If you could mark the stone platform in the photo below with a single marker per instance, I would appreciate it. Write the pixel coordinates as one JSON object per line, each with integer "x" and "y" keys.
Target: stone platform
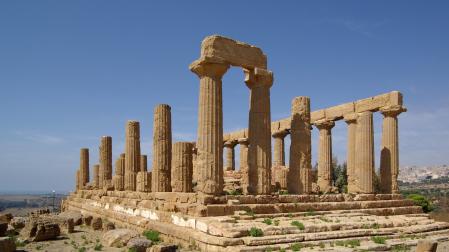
{"x": 223, "y": 223}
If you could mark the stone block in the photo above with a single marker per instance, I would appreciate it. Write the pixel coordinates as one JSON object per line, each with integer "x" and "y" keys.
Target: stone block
{"x": 427, "y": 246}
{"x": 7, "y": 244}
{"x": 337, "y": 112}
{"x": 317, "y": 115}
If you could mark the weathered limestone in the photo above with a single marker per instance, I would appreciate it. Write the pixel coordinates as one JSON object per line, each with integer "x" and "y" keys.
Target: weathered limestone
{"x": 96, "y": 177}
{"x": 300, "y": 165}
{"x": 244, "y": 143}
{"x": 162, "y": 144}
{"x": 143, "y": 163}
{"x": 182, "y": 169}
{"x": 325, "y": 155}
{"x": 143, "y": 181}
{"x": 210, "y": 126}
{"x": 84, "y": 166}
{"x": 364, "y": 144}
{"x": 259, "y": 82}
{"x": 79, "y": 184}
{"x": 119, "y": 177}
{"x": 427, "y": 246}
{"x": 230, "y": 155}
{"x": 279, "y": 148}
{"x": 105, "y": 170}
{"x": 389, "y": 156}
{"x": 132, "y": 154}
{"x": 351, "y": 120}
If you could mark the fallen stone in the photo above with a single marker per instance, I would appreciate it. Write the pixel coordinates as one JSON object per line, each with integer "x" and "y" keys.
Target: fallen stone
{"x": 108, "y": 226}
{"x": 18, "y": 222}
{"x": 139, "y": 244}
{"x": 427, "y": 246}
{"x": 118, "y": 237}
{"x": 76, "y": 216}
{"x": 87, "y": 220}
{"x": 40, "y": 229}
{"x": 6, "y": 217}
{"x": 163, "y": 248}
{"x": 97, "y": 223}
{"x": 3, "y": 228}
{"x": 7, "y": 244}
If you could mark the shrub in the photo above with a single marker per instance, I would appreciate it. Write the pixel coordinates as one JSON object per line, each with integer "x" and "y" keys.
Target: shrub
{"x": 310, "y": 213}
{"x": 298, "y": 224}
{"x": 98, "y": 247}
{"x": 296, "y": 247}
{"x": 250, "y": 213}
{"x": 255, "y": 232}
{"x": 276, "y": 222}
{"x": 422, "y": 201}
{"x": 378, "y": 239}
{"x": 268, "y": 221}
{"x": 152, "y": 235}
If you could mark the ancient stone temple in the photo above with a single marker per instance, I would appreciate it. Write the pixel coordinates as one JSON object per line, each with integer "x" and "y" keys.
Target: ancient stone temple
{"x": 198, "y": 195}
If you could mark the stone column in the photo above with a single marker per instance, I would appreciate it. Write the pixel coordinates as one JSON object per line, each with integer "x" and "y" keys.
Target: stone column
{"x": 162, "y": 141}
{"x": 105, "y": 172}
{"x": 351, "y": 120}
{"x": 132, "y": 154}
{"x": 143, "y": 181}
{"x": 279, "y": 148}
{"x": 364, "y": 145}
{"x": 389, "y": 156}
{"x": 259, "y": 82}
{"x": 143, "y": 163}
{"x": 196, "y": 172}
{"x": 96, "y": 177}
{"x": 78, "y": 179}
{"x": 244, "y": 143}
{"x": 300, "y": 166}
{"x": 119, "y": 177}
{"x": 210, "y": 127}
{"x": 230, "y": 155}
{"x": 325, "y": 155}
{"x": 84, "y": 166}
{"x": 182, "y": 169}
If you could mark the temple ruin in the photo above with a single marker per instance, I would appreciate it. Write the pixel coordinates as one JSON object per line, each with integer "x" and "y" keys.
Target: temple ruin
{"x": 186, "y": 196}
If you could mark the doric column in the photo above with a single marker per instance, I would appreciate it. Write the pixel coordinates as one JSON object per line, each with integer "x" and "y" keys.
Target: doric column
{"x": 259, "y": 82}
{"x": 210, "y": 127}
{"x": 132, "y": 154}
{"x": 105, "y": 170}
{"x": 244, "y": 143}
{"x": 161, "y": 149}
{"x": 389, "y": 156}
{"x": 196, "y": 172}
{"x": 143, "y": 163}
{"x": 279, "y": 148}
{"x": 84, "y": 166}
{"x": 230, "y": 155}
{"x": 325, "y": 154}
{"x": 182, "y": 167}
{"x": 143, "y": 181}
{"x": 351, "y": 120}
{"x": 96, "y": 177}
{"x": 119, "y": 177}
{"x": 300, "y": 166}
{"x": 78, "y": 179}
{"x": 364, "y": 145}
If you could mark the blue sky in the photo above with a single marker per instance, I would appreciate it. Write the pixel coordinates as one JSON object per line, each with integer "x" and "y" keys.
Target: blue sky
{"x": 72, "y": 71}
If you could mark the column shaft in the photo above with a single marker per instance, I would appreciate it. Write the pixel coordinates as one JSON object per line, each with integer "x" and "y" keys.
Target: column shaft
{"x": 105, "y": 170}
{"x": 279, "y": 148}
{"x": 244, "y": 143}
{"x": 84, "y": 166}
{"x": 230, "y": 155}
{"x": 325, "y": 168}
{"x": 182, "y": 167}
{"x": 351, "y": 120}
{"x": 143, "y": 163}
{"x": 96, "y": 177}
{"x": 132, "y": 154}
{"x": 364, "y": 145}
{"x": 162, "y": 141}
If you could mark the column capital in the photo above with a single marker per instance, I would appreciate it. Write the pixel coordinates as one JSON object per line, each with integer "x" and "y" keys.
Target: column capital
{"x": 392, "y": 111}
{"x": 280, "y": 133}
{"x": 350, "y": 118}
{"x": 258, "y": 77}
{"x": 230, "y": 143}
{"x": 324, "y": 124}
{"x": 243, "y": 140}
{"x": 207, "y": 68}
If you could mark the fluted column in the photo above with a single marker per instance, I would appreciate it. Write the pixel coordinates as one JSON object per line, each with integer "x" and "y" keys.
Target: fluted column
{"x": 279, "y": 148}
{"x": 351, "y": 120}
{"x": 105, "y": 170}
{"x": 259, "y": 82}
{"x": 84, "y": 166}
{"x": 119, "y": 177}
{"x": 78, "y": 179}
{"x": 364, "y": 145}
{"x": 210, "y": 127}
{"x": 96, "y": 177}
{"x": 196, "y": 172}
{"x": 325, "y": 154}
{"x": 389, "y": 156}
{"x": 300, "y": 165}
{"x": 230, "y": 155}
{"x": 243, "y": 165}
{"x": 162, "y": 141}
{"x": 182, "y": 167}
{"x": 132, "y": 154}
{"x": 143, "y": 163}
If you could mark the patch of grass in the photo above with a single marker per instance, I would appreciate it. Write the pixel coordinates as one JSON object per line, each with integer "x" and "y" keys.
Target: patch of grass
{"x": 19, "y": 243}
{"x": 400, "y": 248}
{"x": 132, "y": 250}
{"x": 349, "y": 243}
{"x": 234, "y": 192}
{"x": 321, "y": 244}
{"x": 310, "y": 213}
{"x": 249, "y": 213}
{"x": 283, "y": 192}
{"x": 282, "y": 250}
{"x": 98, "y": 247}
{"x": 82, "y": 249}
{"x": 422, "y": 201}
{"x": 375, "y": 226}
{"x": 298, "y": 224}
{"x": 379, "y": 239}
{"x": 290, "y": 215}
{"x": 322, "y": 218}
{"x": 83, "y": 237}
{"x": 255, "y": 232}
{"x": 276, "y": 222}
{"x": 152, "y": 235}
{"x": 365, "y": 226}
{"x": 268, "y": 221}
{"x": 39, "y": 247}
{"x": 296, "y": 247}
